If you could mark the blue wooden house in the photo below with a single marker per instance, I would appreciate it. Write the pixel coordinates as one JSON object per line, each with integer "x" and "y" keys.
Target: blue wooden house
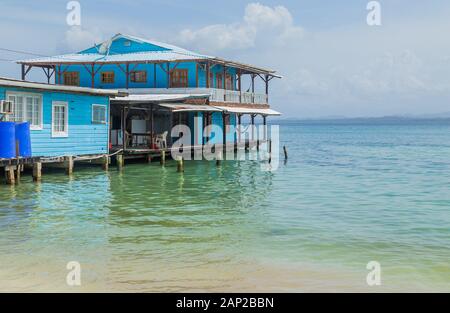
{"x": 167, "y": 85}
{"x": 64, "y": 120}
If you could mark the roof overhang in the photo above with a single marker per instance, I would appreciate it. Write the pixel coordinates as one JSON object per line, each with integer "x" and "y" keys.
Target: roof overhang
{"x": 157, "y": 98}
{"x": 238, "y": 110}
{"x": 8, "y": 82}
{"x": 183, "y": 107}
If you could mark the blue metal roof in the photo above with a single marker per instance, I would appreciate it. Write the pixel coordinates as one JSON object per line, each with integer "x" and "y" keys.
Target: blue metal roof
{"x": 125, "y": 48}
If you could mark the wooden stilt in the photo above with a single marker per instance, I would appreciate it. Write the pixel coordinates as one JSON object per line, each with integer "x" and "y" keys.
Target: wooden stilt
{"x": 162, "y": 161}
{"x": 270, "y": 151}
{"x": 69, "y": 165}
{"x": 219, "y": 158}
{"x": 9, "y": 175}
{"x": 180, "y": 164}
{"x": 285, "y": 153}
{"x": 37, "y": 171}
{"x": 119, "y": 161}
{"x": 18, "y": 173}
{"x": 105, "y": 163}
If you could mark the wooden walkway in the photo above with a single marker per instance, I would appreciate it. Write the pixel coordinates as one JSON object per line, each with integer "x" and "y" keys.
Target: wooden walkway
{"x": 13, "y": 168}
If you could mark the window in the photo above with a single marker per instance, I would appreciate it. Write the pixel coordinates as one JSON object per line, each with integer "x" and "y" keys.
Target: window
{"x": 138, "y": 76}
{"x": 108, "y": 77}
{"x": 179, "y": 78}
{"x": 219, "y": 81}
{"x": 72, "y": 79}
{"x": 60, "y": 119}
{"x": 227, "y": 121}
{"x": 211, "y": 80}
{"x": 98, "y": 114}
{"x": 26, "y": 107}
{"x": 229, "y": 82}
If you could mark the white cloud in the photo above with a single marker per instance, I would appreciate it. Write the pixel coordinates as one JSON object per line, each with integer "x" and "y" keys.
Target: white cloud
{"x": 76, "y": 38}
{"x": 259, "y": 23}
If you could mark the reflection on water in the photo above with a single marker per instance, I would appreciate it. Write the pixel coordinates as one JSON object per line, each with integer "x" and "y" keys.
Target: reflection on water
{"x": 348, "y": 195}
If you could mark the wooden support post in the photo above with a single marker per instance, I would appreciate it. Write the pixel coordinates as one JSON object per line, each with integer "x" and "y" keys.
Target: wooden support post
{"x": 9, "y": 175}
{"x": 69, "y": 165}
{"x": 180, "y": 164}
{"x": 37, "y": 171}
{"x": 285, "y": 152}
{"x": 149, "y": 158}
{"x": 219, "y": 158}
{"x": 253, "y": 127}
{"x": 119, "y": 161}
{"x": 253, "y": 88}
{"x": 105, "y": 163}
{"x": 162, "y": 160}
{"x": 265, "y": 127}
{"x": 224, "y": 129}
{"x": 127, "y": 72}
{"x": 18, "y": 173}
{"x": 270, "y": 151}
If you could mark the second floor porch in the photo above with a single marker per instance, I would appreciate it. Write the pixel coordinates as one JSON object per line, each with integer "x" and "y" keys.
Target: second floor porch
{"x": 216, "y": 96}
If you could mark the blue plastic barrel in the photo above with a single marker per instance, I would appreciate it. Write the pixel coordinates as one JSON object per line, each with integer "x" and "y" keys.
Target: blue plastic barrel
{"x": 7, "y": 140}
{"x": 23, "y": 139}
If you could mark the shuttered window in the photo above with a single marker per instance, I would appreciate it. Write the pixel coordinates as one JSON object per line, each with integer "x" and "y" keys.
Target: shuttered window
{"x": 179, "y": 78}
{"x": 72, "y": 78}
{"x": 108, "y": 77}
{"x": 138, "y": 76}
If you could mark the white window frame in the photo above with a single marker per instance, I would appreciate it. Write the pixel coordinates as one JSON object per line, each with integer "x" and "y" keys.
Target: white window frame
{"x": 106, "y": 114}
{"x": 26, "y": 95}
{"x": 66, "y": 120}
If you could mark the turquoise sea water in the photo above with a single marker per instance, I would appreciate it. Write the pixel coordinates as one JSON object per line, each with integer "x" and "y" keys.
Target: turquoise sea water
{"x": 349, "y": 193}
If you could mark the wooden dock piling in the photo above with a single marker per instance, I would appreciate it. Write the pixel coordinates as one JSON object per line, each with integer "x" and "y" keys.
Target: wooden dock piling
{"x": 9, "y": 175}
{"x": 37, "y": 171}
{"x": 285, "y": 152}
{"x": 119, "y": 161}
{"x": 180, "y": 164}
{"x": 162, "y": 161}
{"x": 105, "y": 163}
{"x": 68, "y": 163}
{"x": 219, "y": 158}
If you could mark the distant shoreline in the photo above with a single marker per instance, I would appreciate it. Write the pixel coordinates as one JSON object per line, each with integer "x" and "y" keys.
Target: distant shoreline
{"x": 364, "y": 120}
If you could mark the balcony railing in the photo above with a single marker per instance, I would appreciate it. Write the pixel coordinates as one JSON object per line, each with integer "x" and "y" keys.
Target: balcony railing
{"x": 233, "y": 96}
{"x": 216, "y": 95}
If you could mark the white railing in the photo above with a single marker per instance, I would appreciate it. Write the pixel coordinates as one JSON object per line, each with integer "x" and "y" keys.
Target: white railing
{"x": 232, "y": 96}
{"x": 216, "y": 95}
{"x": 260, "y": 98}
{"x": 247, "y": 97}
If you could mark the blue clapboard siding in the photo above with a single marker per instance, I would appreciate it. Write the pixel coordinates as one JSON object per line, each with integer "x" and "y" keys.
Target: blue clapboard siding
{"x": 161, "y": 75}
{"x": 85, "y": 137}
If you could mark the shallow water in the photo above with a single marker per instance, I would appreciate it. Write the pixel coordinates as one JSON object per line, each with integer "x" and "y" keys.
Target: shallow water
{"x": 348, "y": 194}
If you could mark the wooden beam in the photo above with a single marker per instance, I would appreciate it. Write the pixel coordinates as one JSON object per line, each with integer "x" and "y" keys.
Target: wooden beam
{"x": 154, "y": 75}
{"x": 208, "y": 74}
{"x": 196, "y": 74}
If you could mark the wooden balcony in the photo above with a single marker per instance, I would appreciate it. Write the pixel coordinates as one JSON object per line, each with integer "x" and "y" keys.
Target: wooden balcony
{"x": 215, "y": 95}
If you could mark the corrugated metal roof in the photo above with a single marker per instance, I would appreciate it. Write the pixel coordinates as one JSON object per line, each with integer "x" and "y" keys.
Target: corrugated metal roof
{"x": 41, "y": 86}
{"x": 183, "y": 107}
{"x": 248, "y": 110}
{"x": 173, "y": 54}
{"x": 150, "y": 56}
{"x": 136, "y": 98}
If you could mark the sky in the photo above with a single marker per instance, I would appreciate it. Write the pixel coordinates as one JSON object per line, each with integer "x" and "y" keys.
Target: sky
{"x": 332, "y": 62}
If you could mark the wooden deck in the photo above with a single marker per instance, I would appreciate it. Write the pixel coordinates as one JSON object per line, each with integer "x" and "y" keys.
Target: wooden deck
{"x": 13, "y": 168}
